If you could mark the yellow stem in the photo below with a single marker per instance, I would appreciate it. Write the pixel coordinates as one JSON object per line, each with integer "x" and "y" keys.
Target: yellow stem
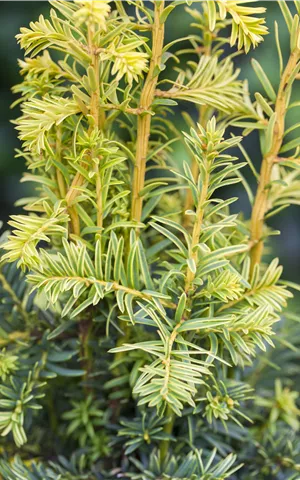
{"x": 144, "y": 121}
{"x": 194, "y": 169}
{"x": 260, "y": 206}
{"x": 197, "y": 230}
{"x": 99, "y": 121}
{"x": 60, "y": 178}
{"x": 114, "y": 286}
{"x": 225, "y": 306}
{"x": 75, "y": 224}
{"x": 73, "y": 191}
{"x": 143, "y": 131}
{"x": 202, "y": 118}
{"x": 189, "y": 197}
{"x": 15, "y": 337}
{"x": 111, "y": 106}
{"x": 164, "y": 445}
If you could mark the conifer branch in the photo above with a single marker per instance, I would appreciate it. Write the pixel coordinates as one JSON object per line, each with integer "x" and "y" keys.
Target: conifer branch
{"x": 98, "y": 116}
{"x": 144, "y": 119}
{"x": 197, "y": 226}
{"x": 60, "y": 179}
{"x": 260, "y": 205}
{"x": 93, "y": 281}
{"x": 162, "y": 323}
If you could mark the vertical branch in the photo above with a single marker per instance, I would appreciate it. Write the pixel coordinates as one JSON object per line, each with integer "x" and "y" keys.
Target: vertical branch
{"x": 86, "y": 324}
{"x": 202, "y": 119}
{"x": 75, "y": 225}
{"x": 197, "y": 229}
{"x": 99, "y": 120}
{"x": 144, "y": 126}
{"x": 261, "y": 199}
{"x": 59, "y": 176}
{"x": 144, "y": 120}
{"x": 164, "y": 444}
{"x": 194, "y": 168}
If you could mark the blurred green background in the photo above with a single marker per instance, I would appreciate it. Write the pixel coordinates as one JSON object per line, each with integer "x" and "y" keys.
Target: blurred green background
{"x": 15, "y": 14}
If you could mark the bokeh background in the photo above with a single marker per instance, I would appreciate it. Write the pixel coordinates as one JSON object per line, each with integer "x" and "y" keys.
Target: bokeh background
{"x": 15, "y": 14}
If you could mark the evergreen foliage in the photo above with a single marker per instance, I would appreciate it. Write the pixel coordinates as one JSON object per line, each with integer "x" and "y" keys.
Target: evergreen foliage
{"x": 144, "y": 333}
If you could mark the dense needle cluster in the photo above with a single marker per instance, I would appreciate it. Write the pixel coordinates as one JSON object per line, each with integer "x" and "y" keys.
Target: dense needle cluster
{"x": 143, "y": 332}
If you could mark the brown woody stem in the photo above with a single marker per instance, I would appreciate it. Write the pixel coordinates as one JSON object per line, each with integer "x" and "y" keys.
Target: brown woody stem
{"x": 260, "y": 206}
{"x": 144, "y": 120}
